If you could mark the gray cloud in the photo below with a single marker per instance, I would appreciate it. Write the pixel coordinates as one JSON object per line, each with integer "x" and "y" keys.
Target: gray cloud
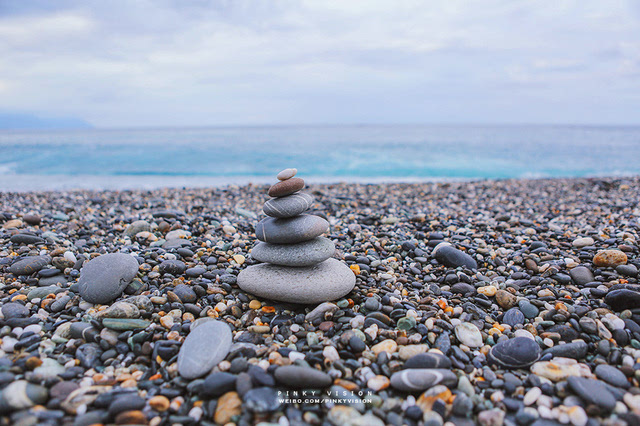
{"x": 124, "y": 63}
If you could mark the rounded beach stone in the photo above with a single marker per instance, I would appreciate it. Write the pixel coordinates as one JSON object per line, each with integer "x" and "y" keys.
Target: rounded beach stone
{"x": 428, "y": 360}
{"x": 450, "y": 256}
{"x": 592, "y": 392}
{"x": 610, "y": 258}
{"x": 289, "y": 206}
{"x": 292, "y": 230}
{"x": 296, "y": 377}
{"x": 286, "y": 187}
{"x": 306, "y": 253}
{"x": 287, "y": 174}
{"x": 468, "y": 334}
{"x": 419, "y": 379}
{"x": 518, "y": 352}
{"x": 204, "y": 347}
{"x": 29, "y": 265}
{"x": 21, "y": 394}
{"x": 325, "y": 281}
{"x": 622, "y": 298}
{"x": 104, "y": 278}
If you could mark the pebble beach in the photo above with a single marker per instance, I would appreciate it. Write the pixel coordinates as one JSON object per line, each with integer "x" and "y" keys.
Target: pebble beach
{"x": 487, "y": 302}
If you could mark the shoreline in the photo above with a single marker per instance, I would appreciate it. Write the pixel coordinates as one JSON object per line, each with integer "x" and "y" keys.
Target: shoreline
{"x": 539, "y": 275}
{"x": 19, "y": 183}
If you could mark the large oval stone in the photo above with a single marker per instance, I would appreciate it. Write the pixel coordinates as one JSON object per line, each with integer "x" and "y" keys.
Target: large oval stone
{"x": 104, "y": 278}
{"x": 204, "y": 347}
{"x": 289, "y": 206}
{"x": 325, "y": 281}
{"x": 419, "y": 379}
{"x": 29, "y": 265}
{"x": 519, "y": 352}
{"x": 306, "y": 253}
{"x": 292, "y": 230}
{"x": 450, "y": 256}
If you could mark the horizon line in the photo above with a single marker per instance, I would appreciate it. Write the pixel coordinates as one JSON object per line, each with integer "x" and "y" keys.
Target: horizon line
{"x": 319, "y": 125}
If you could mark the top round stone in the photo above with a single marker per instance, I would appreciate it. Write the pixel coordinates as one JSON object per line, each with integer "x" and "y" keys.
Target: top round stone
{"x": 287, "y": 174}
{"x": 286, "y": 187}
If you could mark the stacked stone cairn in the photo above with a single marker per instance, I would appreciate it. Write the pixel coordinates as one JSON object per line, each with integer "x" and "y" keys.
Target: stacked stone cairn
{"x": 298, "y": 265}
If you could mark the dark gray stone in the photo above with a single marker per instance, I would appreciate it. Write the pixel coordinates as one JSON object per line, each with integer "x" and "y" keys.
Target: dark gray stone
{"x": 185, "y": 293}
{"x": 419, "y": 379}
{"x": 513, "y": 317}
{"x": 296, "y": 377}
{"x": 519, "y": 352}
{"x": 29, "y": 265}
{"x": 218, "y": 383}
{"x": 592, "y": 392}
{"x": 306, "y": 253}
{"x": 581, "y": 275}
{"x": 452, "y": 257}
{"x": 289, "y": 206}
{"x": 173, "y": 267}
{"x": 26, "y": 239}
{"x": 622, "y": 299}
{"x": 428, "y": 360}
{"x": 14, "y": 310}
{"x": 612, "y": 375}
{"x": 575, "y": 350}
{"x": 104, "y": 278}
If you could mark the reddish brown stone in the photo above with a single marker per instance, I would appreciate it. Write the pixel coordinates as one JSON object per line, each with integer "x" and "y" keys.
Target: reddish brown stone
{"x": 286, "y": 187}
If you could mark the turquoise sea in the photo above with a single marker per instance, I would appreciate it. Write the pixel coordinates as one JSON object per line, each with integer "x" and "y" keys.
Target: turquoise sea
{"x": 148, "y": 158}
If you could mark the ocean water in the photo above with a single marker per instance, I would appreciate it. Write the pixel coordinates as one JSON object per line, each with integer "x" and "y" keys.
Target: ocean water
{"x": 149, "y": 158}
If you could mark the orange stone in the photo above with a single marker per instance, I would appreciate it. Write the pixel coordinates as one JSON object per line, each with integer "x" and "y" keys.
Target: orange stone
{"x": 606, "y": 258}
{"x": 159, "y": 403}
{"x": 229, "y": 405}
{"x": 133, "y": 417}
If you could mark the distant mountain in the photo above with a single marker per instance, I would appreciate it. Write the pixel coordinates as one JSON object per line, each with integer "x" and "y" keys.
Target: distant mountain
{"x": 22, "y": 121}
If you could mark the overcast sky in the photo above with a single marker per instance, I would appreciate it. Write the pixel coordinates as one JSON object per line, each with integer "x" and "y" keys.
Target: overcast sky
{"x": 235, "y": 62}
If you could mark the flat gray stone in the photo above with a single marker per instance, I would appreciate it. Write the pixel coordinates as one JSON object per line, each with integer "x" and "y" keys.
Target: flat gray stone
{"x": 291, "y": 230}
{"x": 325, "y": 281}
{"x": 104, "y": 278}
{"x": 204, "y": 347}
{"x": 419, "y": 379}
{"x": 289, "y": 206}
{"x": 306, "y": 253}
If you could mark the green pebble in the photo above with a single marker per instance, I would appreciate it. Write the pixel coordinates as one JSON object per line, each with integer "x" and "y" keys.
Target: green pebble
{"x": 226, "y": 246}
{"x": 635, "y": 343}
{"x": 343, "y": 303}
{"x": 246, "y": 213}
{"x": 40, "y": 292}
{"x": 122, "y": 324}
{"x": 406, "y": 323}
{"x": 546, "y": 324}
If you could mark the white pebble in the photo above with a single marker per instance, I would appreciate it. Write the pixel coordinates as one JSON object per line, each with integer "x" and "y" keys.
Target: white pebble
{"x": 70, "y": 256}
{"x": 331, "y": 353}
{"x": 532, "y": 396}
{"x": 287, "y": 174}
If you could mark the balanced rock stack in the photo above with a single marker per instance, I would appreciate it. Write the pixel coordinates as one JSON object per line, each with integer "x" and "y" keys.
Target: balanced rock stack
{"x": 298, "y": 266}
